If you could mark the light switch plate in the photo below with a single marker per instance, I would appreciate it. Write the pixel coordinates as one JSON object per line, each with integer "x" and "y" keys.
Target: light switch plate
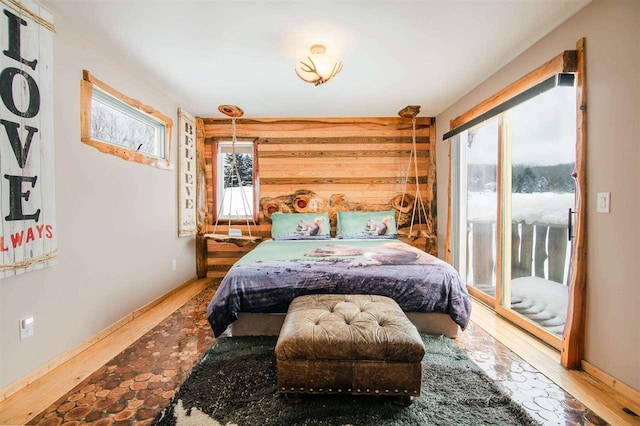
{"x": 603, "y": 202}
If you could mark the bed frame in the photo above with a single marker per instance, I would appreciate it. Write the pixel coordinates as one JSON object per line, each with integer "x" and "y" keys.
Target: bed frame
{"x": 260, "y": 324}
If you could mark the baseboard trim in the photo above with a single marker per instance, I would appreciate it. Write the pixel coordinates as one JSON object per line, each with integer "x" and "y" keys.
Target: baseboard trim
{"x": 610, "y": 381}
{"x": 36, "y": 374}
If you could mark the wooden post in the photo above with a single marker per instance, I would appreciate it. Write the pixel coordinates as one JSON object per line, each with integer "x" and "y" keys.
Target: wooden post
{"x": 432, "y": 199}
{"x": 516, "y": 271}
{"x": 201, "y": 255}
{"x": 540, "y": 250}
{"x": 557, "y": 248}
{"x": 201, "y": 202}
{"x": 482, "y": 252}
{"x": 526, "y": 252}
{"x": 573, "y": 338}
{"x": 447, "y": 238}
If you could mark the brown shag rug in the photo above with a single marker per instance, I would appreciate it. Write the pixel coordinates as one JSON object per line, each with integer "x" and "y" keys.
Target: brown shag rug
{"x": 235, "y": 384}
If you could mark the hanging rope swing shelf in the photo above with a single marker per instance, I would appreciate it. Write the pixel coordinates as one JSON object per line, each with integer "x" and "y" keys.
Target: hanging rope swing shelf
{"x": 418, "y": 210}
{"x": 234, "y": 235}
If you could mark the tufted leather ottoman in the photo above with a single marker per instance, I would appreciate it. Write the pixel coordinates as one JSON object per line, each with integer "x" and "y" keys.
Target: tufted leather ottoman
{"x": 353, "y": 344}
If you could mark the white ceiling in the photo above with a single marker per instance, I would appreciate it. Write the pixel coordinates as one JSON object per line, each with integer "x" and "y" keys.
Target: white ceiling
{"x": 395, "y": 53}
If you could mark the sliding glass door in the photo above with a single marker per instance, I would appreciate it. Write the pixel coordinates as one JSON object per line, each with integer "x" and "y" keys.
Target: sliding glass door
{"x": 513, "y": 193}
{"x": 478, "y": 206}
{"x": 541, "y": 154}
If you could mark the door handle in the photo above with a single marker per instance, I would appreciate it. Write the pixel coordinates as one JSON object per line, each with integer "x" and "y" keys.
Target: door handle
{"x": 570, "y": 224}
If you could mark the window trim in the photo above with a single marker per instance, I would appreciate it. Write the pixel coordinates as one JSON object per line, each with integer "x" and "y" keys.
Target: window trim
{"x": 256, "y": 180}
{"x": 565, "y": 62}
{"x": 87, "y": 85}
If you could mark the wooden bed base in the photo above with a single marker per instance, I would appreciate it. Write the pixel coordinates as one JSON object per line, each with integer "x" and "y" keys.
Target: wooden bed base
{"x": 259, "y": 324}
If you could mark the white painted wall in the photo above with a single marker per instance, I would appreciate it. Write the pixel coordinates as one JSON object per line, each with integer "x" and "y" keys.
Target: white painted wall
{"x": 117, "y": 225}
{"x": 612, "y": 31}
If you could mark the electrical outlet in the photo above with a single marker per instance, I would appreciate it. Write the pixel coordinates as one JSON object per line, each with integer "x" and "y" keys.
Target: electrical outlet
{"x": 26, "y": 328}
{"x": 174, "y": 265}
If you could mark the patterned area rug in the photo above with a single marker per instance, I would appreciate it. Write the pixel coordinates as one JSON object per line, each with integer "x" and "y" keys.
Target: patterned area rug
{"x": 235, "y": 383}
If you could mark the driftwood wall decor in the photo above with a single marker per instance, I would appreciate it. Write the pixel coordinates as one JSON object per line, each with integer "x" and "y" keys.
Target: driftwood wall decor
{"x": 326, "y": 164}
{"x": 307, "y": 201}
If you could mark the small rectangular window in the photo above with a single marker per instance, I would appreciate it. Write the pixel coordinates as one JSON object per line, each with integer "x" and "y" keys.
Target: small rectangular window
{"x": 116, "y": 124}
{"x": 236, "y": 189}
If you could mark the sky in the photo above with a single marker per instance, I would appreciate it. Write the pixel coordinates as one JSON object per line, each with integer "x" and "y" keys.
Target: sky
{"x": 543, "y": 132}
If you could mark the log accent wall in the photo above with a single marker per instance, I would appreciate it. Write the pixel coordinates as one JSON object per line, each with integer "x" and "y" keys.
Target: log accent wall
{"x": 353, "y": 163}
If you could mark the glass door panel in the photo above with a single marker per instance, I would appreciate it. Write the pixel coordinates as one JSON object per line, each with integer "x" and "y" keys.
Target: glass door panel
{"x": 481, "y": 152}
{"x": 541, "y": 150}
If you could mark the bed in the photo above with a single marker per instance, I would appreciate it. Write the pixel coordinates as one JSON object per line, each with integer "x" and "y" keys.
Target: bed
{"x": 256, "y": 292}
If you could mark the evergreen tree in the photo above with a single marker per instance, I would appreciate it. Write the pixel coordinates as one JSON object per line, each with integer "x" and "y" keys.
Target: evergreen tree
{"x": 244, "y": 163}
{"x": 542, "y": 184}
{"x": 525, "y": 182}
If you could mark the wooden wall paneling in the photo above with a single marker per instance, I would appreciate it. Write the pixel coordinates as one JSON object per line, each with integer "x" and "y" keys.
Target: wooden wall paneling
{"x": 363, "y": 159}
{"x": 432, "y": 196}
{"x": 201, "y": 176}
{"x": 201, "y": 200}
{"x": 316, "y": 127}
{"x": 345, "y": 160}
{"x": 447, "y": 238}
{"x": 212, "y": 187}
{"x": 221, "y": 255}
{"x": 256, "y": 181}
{"x": 349, "y": 141}
{"x": 210, "y": 178}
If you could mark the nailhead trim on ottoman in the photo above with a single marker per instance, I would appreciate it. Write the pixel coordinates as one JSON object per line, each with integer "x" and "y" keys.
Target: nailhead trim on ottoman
{"x": 355, "y": 344}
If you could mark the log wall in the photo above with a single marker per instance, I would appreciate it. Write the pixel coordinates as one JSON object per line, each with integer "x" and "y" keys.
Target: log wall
{"x": 347, "y": 163}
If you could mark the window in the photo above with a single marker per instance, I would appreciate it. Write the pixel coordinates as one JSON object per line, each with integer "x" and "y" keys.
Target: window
{"x": 236, "y": 186}
{"x": 116, "y": 124}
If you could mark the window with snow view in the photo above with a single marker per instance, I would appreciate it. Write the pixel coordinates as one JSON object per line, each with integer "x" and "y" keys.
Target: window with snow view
{"x": 235, "y": 175}
{"x": 119, "y": 125}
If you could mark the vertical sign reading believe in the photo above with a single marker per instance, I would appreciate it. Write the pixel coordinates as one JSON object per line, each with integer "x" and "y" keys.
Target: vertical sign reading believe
{"x": 186, "y": 174}
{"x": 28, "y": 238}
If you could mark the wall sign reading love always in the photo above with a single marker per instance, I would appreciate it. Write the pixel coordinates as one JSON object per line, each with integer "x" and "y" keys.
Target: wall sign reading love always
{"x": 28, "y": 238}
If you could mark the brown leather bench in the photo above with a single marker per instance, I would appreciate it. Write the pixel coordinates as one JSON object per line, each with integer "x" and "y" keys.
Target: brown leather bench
{"x": 349, "y": 344}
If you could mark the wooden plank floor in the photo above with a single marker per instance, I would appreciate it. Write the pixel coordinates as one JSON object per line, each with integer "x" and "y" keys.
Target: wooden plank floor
{"x": 35, "y": 398}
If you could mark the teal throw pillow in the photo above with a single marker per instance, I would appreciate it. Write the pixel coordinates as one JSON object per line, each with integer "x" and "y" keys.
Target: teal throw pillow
{"x": 300, "y": 226}
{"x": 352, "y": 225}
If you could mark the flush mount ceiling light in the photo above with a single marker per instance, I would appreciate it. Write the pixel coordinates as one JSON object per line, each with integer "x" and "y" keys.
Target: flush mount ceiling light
{"x": 318, "y": 67}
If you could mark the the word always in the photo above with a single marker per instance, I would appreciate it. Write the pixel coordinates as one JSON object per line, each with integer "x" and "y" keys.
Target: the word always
{"x": 25, "y": 237}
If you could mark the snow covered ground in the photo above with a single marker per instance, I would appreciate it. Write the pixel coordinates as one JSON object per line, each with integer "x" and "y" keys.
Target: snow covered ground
{"x": 237, "y": 205}
{"x": 549, "y": 208}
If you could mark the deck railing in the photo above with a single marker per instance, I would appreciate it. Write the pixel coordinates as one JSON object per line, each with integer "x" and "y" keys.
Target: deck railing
{"x": 537, "y": 249}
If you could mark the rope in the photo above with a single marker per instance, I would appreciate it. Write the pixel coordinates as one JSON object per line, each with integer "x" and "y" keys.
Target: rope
{"x": 17, "y": 7}
{"x": 418, "y": 203}
{"x": 30, "y": 262}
